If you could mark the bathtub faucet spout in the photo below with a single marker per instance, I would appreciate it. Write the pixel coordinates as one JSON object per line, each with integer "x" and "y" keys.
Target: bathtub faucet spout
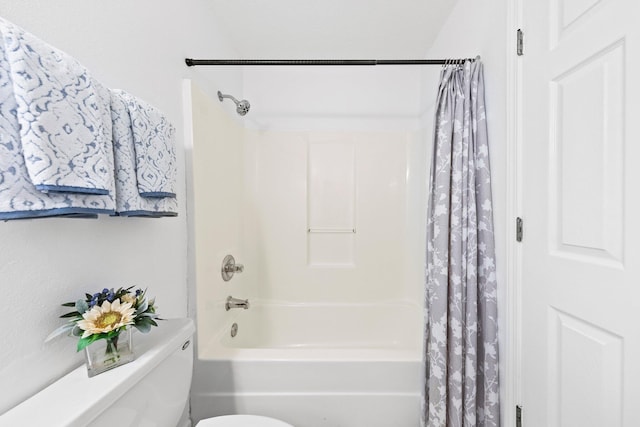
{"x": 236, "y": 303}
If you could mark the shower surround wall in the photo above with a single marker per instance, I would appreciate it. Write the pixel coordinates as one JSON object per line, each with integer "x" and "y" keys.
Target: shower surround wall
{"x": 335, "y": 181}
{"x": 321, "y": 194}
{"x": 330, "y": 214}
{"x": 216, "y": 208}
{"x": 321, "y": 206}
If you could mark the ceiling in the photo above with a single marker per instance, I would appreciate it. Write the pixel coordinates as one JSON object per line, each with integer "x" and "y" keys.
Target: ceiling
{"x": 341, "y": 29}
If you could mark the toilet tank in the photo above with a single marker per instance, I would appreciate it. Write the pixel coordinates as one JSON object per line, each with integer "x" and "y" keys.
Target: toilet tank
{"x": 151, "y": 391}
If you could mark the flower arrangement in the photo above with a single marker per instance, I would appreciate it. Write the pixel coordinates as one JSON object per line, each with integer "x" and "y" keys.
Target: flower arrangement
{"x": 105, "y": 314}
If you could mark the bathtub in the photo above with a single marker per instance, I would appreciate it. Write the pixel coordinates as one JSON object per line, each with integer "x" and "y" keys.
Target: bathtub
{"x": 314, "y": 365}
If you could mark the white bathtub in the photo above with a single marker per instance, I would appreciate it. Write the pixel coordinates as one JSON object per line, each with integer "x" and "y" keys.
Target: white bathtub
{"x": 315, "y": 365}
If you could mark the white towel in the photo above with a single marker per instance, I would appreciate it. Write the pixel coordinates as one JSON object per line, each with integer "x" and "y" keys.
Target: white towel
{"x": 155, "y": 151}
{"x": 19, "y": 198}
{"x": 65, "y": 123}
{"x": 129, "y": 202}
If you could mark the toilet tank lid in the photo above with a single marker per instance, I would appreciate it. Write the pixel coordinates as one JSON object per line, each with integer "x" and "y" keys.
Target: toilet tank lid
{"x": 53, "y": 405}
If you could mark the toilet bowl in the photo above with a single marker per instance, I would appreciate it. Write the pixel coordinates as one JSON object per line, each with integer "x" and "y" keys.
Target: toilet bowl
{"x": 242, "y": 421}
{"x": 152, "y": 390}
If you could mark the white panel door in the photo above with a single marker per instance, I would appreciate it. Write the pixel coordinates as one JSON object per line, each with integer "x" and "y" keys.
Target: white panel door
{"x": 581, "y": 211}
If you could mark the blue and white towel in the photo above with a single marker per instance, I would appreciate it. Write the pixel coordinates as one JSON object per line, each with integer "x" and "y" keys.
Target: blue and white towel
{"x": 155, "y": 150}
{"x": 19, "y": 197}
{"x": 129, "y": 201}
{"x": 64, "y": 117}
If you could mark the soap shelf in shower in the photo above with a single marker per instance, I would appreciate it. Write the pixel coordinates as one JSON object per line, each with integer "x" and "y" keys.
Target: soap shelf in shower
{"x": 331, "y": 230}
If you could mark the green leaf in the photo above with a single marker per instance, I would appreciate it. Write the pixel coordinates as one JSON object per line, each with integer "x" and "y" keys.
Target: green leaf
{"x": 68, "y": 304}
{"x": 113, "y": 333}
{"x": 84, "y": 342}
{"x": 148, "y": 314}
{"x": 77, "y": 331}
{"x": 120, "y": 293}
{"x": 72, "y": 314}
{"x": 59, "y": 331}
{"x": 81, "y": 306}
{"x": 143, "y": 327}
{"x": 142, "y": 307}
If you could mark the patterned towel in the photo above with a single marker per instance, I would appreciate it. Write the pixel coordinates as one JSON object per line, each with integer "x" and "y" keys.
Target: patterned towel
{"x": 19, "y": 198}
{"x": 155, "y": 151}
{"x": 129, "y": 202}
{"x": 65, "y": 123}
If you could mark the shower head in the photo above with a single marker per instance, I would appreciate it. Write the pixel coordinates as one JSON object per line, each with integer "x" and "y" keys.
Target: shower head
{"x": 242, "y": 107}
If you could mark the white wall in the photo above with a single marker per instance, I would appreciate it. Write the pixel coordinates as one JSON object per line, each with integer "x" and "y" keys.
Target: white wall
{"x": 329, "y": 98}
{"x": 140, "y": 47}
{"x": 479, "y": 27}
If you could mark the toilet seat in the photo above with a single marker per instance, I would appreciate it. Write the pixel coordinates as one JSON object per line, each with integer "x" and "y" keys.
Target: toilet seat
{"x": 241, "y": 421}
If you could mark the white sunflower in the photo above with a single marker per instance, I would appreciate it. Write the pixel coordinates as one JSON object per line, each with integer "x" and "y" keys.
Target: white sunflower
{"x": 106, "y": 318}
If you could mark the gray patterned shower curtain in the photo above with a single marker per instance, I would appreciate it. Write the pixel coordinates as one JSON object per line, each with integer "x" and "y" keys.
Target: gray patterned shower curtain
{"x": 461, "y": 359}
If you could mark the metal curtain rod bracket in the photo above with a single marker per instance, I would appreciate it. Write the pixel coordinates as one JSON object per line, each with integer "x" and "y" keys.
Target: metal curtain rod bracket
{"x": 194, "y": 62}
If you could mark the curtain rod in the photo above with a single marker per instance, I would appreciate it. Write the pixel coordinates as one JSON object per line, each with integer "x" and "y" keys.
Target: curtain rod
{"x": 194, "y": 62}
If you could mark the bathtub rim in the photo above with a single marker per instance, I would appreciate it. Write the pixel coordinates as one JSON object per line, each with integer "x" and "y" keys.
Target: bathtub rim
{"x": 214, "y": 350}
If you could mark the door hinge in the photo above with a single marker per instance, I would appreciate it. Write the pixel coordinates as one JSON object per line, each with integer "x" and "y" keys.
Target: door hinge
{"x": 518, "y": 229}
{"x": 518, "y": 416}
{"x": 520, "y": 43}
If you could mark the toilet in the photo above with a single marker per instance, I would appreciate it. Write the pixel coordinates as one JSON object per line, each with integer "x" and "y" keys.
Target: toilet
{"x": 153, "y": 390}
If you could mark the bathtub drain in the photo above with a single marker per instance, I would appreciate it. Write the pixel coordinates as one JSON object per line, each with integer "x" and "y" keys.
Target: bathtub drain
{"x": 234, "y": 330}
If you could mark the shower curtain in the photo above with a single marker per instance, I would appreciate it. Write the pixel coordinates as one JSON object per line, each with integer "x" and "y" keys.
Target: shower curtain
{"x": 461, "y": 359}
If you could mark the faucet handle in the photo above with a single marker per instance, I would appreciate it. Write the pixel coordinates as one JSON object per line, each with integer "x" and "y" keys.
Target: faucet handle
{"x": 229, "y": 268}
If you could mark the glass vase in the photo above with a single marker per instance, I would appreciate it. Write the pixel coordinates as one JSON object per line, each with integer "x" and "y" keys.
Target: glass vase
{"x": 105, "y": 354}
